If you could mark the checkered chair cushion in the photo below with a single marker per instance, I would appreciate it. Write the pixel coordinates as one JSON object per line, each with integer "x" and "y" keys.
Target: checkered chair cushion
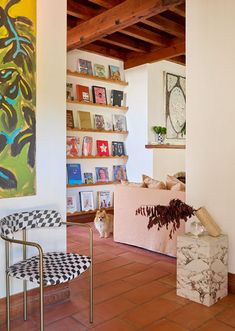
{"x": 58, "y": 268}
{"x": 28, "y": 220}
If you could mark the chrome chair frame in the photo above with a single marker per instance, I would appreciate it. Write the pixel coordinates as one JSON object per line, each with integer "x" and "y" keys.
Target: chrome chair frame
{"x": 26, "y": 243}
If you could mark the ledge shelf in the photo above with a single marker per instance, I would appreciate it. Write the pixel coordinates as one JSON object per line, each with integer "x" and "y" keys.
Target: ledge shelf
{"x": 80, "y": 213}
{"x": 165, "y": 146}
{"x": 101, "y": 79}
{"x": 125, "y": 108}
{"x": 97, "y": 157}
{"x": 91, "y": 184}
{"x": 97, "y": 131}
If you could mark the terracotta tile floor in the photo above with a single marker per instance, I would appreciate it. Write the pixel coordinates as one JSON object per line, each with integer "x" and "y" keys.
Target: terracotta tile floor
{"x": 134, "y": 289}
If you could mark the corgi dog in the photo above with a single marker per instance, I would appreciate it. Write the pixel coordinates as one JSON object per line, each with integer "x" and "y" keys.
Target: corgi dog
{"x": 103, "y": 223}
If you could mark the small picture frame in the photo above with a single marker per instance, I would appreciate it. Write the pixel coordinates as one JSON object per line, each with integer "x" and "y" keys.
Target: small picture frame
{"x": 71, "y": 204}
{"x": 99, "y": 95}
{"x": 87, "y": 200}
{"x": 102, "y": 174}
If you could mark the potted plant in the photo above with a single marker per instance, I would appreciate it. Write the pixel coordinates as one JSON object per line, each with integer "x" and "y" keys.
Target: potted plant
{"x": 160, "y": 133}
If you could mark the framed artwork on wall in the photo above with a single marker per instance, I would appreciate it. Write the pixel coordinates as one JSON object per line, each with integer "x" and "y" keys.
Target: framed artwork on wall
{"x": 175, "y": 106}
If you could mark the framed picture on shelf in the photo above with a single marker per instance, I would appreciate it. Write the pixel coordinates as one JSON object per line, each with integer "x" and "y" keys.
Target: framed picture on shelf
{"x": 118, "y": 148}
{"x": 116, "y": 98}
{"x": 102, "y": 147}
{"x": 99, "y": 122}
{"x": 108, "y": 124}
{"x": 71, "y": 204}
{"x": 104, "y": 199}
{"x": 84, "y": 119}
{"x": 99, "y": 95}
{"x": 119, "y": 122}
{"x": 69, "y": 119}
{"x": 83, "y": 93}
{"x": 87, "y": 200}
{"x": 114, "y": 72}
{"x": 119, "y": 173}
{"x": 99, "y": 70}
{"x": 84, "y": 67}
{"x": 74, "y": 174}
{"x": 102, "y": 174}
{"x": 88, "y": 178}
{"x": 73, "y": 147}
{"x": 87, "y": 146}
{"x": 69, "y": 91}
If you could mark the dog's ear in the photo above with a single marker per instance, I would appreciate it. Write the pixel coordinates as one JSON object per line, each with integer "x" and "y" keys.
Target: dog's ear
{"x": 98, "y": 212}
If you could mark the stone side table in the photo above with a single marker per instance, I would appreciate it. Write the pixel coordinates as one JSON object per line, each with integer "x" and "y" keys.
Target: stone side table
{"x": 202, "y": 268}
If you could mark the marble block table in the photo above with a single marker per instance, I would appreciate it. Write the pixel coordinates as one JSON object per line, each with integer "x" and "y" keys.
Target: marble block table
{"x": 202, "y": 268}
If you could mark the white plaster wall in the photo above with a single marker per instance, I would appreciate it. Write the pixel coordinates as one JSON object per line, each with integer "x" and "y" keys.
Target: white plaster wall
{"x": 210, "y": 157}
{"x": 50, "y": 157}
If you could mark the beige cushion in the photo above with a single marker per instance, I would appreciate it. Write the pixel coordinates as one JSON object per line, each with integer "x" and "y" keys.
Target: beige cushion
{"x": 174, "y": 184}
{"x": 153, "y": 183}
{"x": 132, "y": 184}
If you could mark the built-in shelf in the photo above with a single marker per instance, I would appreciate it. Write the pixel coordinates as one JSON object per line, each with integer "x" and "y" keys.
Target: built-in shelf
{"x": 91, "y": 184}
{"x": 84, "y": 103}
{"x": 101, "y": 79}
{"x": 97, "y": 157}
{"x": 80, "y": 213}
{"x": 165, "y": 146}
{"x": 97, "y": 131}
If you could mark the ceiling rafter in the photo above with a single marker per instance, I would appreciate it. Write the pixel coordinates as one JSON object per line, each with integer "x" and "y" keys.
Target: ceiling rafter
{"x": 125, "y": 42}
{"x": 75, "y": 9}
{"x": 166, "y": 25}
{"x": 107, "y": 4}
{"x": 179, "y": 10}
{"x": 106, "y": 51}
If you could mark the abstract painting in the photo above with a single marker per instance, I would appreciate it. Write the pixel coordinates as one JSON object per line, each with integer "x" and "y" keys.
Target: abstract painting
{"x": 175, "y": 103}
{"x": 17, "y": 98}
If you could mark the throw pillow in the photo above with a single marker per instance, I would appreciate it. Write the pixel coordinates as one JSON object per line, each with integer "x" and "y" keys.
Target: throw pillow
{"x": 174, "y": 184}
{"x": 153, "y": 183}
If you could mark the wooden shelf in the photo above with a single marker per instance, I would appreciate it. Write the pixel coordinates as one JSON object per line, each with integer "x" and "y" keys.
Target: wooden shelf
{"x": 80, "y": 213}
{"x": 93, "y": 184}
{"x": 97, "y": 157}
{"x": 101, "y": 79}
{"x": 166, "y": 146}
{"x": 97, "y": 105}
{"x": 97, "y": 131}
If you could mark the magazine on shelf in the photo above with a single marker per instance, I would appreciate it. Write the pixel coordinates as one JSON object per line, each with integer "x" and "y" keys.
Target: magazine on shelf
{"x": 71, "y": 204}
{"x": 69, "y": 91}
{"x": 69, "y": 119}
{"x": 88, "y": 178}
{"x": 116, "y": 98}
{"x": 86, "y": 200}
{"x": 119, "y": 122}
{"x": 84, "y": 119}
{"x": 83, "y": 93}
{"x": 99, "y": 122}
{"x": 119, "y": 173}
{"x": 118, "y": 148}
{"x": 99, "y": 94}
{"x": 104, "y": 199}
{"x": 74, "y": 173}
{"x": 73, "y": 147}
{"x": 114, "y": 72}
{"x": 102, "y": 174}
{"x": 87, "y": 146}
{"x": 99, "y": 70}
{"x": 84, "y": 67}
{"x": 102, "y": 147}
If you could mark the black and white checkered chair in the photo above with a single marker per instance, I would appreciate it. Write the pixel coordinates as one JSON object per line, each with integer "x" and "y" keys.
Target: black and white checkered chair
{"x": 46, "y": 268}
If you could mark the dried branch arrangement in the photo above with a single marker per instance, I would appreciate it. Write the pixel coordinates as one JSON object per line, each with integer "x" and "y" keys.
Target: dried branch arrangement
{"x": 172, "y": 214}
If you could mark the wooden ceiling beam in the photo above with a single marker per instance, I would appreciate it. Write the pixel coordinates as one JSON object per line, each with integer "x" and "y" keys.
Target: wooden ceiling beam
{"x": 119, "y": 17}
{"x": 107, "y": 4}
{"x": 125, "y": 42}
{"x": 75, "y": 9}
{"x": 179, "y": 10}
{"x": 105, "y": 51}
{"x": 166, "y": 25}
{"x": 145, "y": 35}
{"x": 178, "y": 59}
{"x": 164, "y": 53}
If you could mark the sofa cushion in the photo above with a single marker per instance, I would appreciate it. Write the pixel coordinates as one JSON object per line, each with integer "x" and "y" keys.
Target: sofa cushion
{"x": 132, "y": 184}
{"x": 153, "y": 183}
{"x": 174, "y": 184}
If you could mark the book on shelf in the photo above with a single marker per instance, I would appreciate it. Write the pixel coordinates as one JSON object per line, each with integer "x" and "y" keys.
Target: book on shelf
{"x": 99, "y": 94}
{"x": 88, "y": 178}
{"x": 69, "y": 119}
{"x": 74, "y": 173}
{"x": 119, "y": 122}
{"x": 71, "y": 204}
{"x": 102, "y": 147}
{"x": 87, "y": 146}
{"x": 116, "y": 98}
{"x": 104, "y": 199}
{"x": 119, "y": 173}
{"x": 99, "y": 122}
{"x": 114, "y": 72}
{"x": 118, "y": 148}
{"x": 84, "y": 119}
{"x": 99, "y": 70}
{"x": 73, "y": 148}
{"x": 86, "y": 200}
{"x": 69, "y": 91}
{"x": 84, "y": 67}
{"x": 102, "y": 174}
{"x": 82, "y": 93}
